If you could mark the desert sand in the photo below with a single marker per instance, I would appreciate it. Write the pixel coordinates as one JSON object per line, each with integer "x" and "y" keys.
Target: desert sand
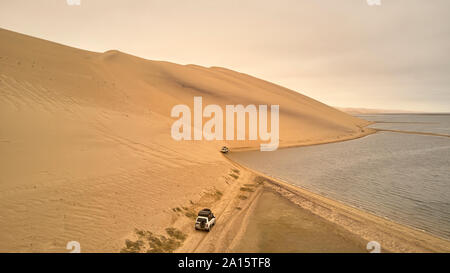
{"x": 363, "y": 111}
{"x": 278, "y": 225}
{"x": 87, "y": 155}
{"x": 350, "y": 228}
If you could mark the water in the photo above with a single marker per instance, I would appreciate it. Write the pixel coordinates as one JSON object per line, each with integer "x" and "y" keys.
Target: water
{"x": 431, "y": 123}
{"x": 403, "y": 177}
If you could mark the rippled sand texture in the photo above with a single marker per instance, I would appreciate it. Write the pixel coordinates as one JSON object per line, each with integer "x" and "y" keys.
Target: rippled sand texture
{"x": 86, "y": 151}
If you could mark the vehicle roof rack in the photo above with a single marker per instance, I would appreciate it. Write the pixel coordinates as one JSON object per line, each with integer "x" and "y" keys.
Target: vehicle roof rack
{"x": 204, "y": 212}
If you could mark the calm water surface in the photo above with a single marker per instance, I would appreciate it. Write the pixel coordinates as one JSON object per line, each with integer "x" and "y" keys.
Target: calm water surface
{"x": 403, "y": 177}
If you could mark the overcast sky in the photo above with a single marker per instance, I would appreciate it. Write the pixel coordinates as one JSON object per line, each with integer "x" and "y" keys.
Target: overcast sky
{"x": 344, "y": 53}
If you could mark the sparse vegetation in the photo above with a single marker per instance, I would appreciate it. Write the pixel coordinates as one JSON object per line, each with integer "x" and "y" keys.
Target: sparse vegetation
{"x": 176, "y": 234}
{"x": 234, "y": 175}
{"x": 238, "y": 208}
{"x": 132, "y": 247}
{"x": 236, "y": 171}
{"x": 151, "y": 243}
{"x": 259, "y": 180}
{"x": 242, "y": 197}
{"x": 216, "y": 194}
{"x": 162, "y": 244}
{"x": 190, "y": 214}
{"x": 247, "y": 189}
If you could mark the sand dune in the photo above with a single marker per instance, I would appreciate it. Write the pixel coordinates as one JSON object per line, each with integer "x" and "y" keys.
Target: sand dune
{"x": 86, "y": 151}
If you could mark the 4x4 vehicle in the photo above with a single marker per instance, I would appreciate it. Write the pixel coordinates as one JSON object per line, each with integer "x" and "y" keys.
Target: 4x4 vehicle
{"x": 224, "y": 150}
{"x": 205, "y": 220}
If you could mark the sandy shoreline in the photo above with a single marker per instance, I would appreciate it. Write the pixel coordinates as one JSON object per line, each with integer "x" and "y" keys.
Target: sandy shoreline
{"x": 392, "y": 236}
{"x": 365, "y": 131}
{"x": 234, "y": 213}
{"x": 354, "y": 226}
{"x": 278, "y": 225}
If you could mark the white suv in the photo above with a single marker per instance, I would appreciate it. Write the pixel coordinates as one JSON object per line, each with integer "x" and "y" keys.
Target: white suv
{"x": 205, "y": 220}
